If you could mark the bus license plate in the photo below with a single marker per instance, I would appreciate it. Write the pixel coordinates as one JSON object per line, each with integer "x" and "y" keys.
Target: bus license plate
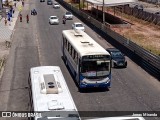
{"x": 96, "y": 85}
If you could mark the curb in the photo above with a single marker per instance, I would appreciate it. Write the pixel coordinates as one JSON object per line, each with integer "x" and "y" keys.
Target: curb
{"x": 2, "y": 67}
{"x": 14, "y": 27}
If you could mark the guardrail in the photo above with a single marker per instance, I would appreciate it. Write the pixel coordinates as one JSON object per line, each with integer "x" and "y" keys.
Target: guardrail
{"x": 2, "y": 61}
{"x": 147, "y": 60}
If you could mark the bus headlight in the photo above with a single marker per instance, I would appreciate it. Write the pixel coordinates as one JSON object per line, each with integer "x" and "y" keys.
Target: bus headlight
{"x": 108, "y": 80}
{"x": 83, "y": 82}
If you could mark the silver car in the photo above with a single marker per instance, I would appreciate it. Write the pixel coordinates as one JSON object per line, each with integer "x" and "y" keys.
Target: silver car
{"x": 68, "y": 15}
{"x": 56, "y": 5}
{"x": 78, "y": 26}
{"x": 53, "y": 20}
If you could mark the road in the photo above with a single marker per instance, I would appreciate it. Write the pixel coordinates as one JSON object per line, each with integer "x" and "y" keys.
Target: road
{"x": 39, "y": 43}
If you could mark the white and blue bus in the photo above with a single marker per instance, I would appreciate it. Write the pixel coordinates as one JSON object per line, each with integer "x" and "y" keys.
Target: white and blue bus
{"x": 49, "y": 95}
{"x": 89, "y": 62}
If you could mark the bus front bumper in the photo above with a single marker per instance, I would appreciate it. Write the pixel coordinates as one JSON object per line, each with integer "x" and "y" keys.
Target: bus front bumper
{"x": 95, "y": 85}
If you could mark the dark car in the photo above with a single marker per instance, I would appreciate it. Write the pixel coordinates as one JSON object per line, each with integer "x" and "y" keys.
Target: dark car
{"x": 33, "y": 12}
{"x": 117, "y": 58}
{"x": 157, "y": 13}
{"x": 140, "y": 7}
{"x": 49, "y": 2}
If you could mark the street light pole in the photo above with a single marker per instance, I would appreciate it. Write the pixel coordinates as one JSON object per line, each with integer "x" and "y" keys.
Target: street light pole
{"x": 79, "y": 4}
{"x": 103, "y": 13}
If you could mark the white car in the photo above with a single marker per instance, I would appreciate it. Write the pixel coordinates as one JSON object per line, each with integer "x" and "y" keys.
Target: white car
{"x": 53, "y": 20}
{"x": 56, "y": 5}
{"x": 68, "y": 15}
{"x": 78, "y": 26}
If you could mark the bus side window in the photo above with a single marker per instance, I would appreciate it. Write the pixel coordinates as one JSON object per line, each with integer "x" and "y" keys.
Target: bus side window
{"x": 65, "y": 42}
{"x": 67, "y": 45}
{"x": 73, "y": 52}
{"x": 76, "y": 57}
{"x": 69, "y": 48}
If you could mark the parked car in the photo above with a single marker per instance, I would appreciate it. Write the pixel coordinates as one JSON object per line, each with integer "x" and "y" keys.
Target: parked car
{"x": 157, "y": 13}
{"x": 49, "y": 2}
{"x": 68, "y": 15}
{"x": 140, "y": 7}
{"x": 78, "y": 26}
{"x": 42, "y": 0}
{"x": 53, "y": 20}
{"x": 33, "y": 12}
{"x": 117, "y": 58}
{"x": 56, "y": 5}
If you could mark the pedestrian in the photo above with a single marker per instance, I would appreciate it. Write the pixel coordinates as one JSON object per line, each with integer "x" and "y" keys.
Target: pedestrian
{"x": 9, "y": 20}
{"x": 13, "y": 11}
{"x": 64, "y": 20}
{"x": 20, "y": 16}
{"x": 23, "y": 3}
{"x": 27, "y": 18}
{"x": 5, "y": 21}
{"x": 15, "y": 4}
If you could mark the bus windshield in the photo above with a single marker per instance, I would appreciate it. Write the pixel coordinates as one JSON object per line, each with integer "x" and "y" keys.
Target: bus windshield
{"x": 95, "y": 69}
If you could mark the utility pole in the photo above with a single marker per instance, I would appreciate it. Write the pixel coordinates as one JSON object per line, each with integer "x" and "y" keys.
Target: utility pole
{"x": 103, "y": 13}
{"x": 79, "y": 4}
{"x": 1, "y": 6}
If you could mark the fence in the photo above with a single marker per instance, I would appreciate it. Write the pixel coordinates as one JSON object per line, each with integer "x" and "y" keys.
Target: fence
{"x": 144, "y": 58}
{"x": 138, "y": 13}
{"x": 152, "y": 1}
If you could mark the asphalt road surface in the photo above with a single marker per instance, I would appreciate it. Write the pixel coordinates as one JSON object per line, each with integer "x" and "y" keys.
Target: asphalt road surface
{"x": 39, "y": 43}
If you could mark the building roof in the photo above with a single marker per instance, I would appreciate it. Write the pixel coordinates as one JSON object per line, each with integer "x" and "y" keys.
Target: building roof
{"x": 111, "y": 2}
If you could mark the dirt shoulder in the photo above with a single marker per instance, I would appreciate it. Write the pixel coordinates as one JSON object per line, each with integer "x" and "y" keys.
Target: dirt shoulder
{"x": 141, "y": 32}
{"x": 4, "y": 51}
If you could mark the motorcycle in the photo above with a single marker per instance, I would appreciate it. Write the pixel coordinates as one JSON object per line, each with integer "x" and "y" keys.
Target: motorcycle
{"x": 64, "y": 21}
{"x": 33, "y": 12}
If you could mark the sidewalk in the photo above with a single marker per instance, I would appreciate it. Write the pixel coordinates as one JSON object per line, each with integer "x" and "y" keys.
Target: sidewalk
{"x": 7, "y": 31}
